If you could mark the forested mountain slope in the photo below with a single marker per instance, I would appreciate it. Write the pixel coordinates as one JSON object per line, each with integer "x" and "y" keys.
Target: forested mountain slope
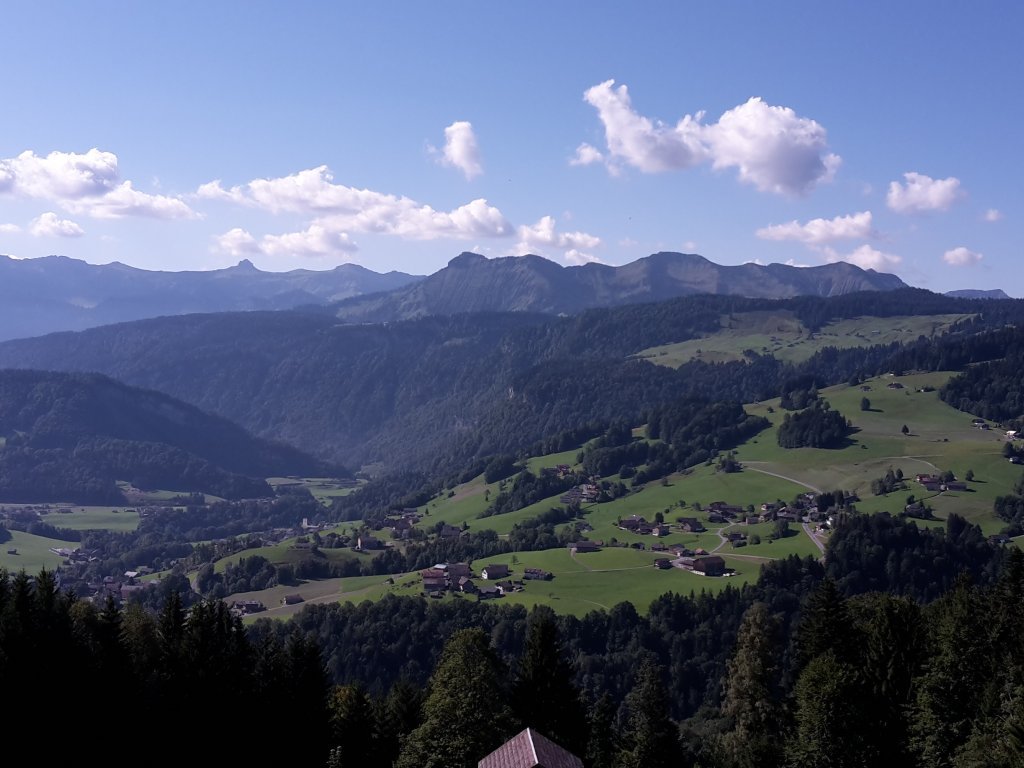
{"x": 438, "y": 391}
{"x": 69, "y": 437}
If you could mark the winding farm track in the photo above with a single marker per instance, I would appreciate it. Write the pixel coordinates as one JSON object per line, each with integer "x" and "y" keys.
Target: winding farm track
{"x": 747, "y": 465}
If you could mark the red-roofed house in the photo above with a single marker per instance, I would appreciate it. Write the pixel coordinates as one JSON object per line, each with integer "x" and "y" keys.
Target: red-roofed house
{"x": 530, "y": 749}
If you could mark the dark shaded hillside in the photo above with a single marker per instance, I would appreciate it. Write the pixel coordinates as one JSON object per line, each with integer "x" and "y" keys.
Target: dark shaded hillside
{"x": 70, "y": 436}
{"x": 436, "y": 392}
{"x": 473, "y": 283}
{"x": 56, "y": 293}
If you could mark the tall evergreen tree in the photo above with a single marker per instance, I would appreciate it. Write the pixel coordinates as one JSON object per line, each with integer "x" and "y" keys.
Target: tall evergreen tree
{"x": 955, "y": 677}
{"x": 603, "y": 743}
{"x": 651, "y": 738}
{"x": 465, "y": 713}
{"x": 752, "y": 700}
{"x": 830, "y": 719}
{"x": 544, "y": 695}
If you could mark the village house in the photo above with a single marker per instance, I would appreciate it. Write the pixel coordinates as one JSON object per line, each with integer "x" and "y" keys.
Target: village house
{"x": 691, "y": 525}
{"x": 578, "y": 547}
{"x": 466, "y": 584}
{"x": 530, "y": 749}
{"x": 368, "y": 543}
{"x": 449, "y": 532}
{"x": 456, "y": 571}
{"x": 662, "y": 563}
{"x": 508, "y": 586}
{"x": 494, "y": 571}
{"x": 487, "y": 592}
{"x": 712, "y": 565}
{"x": 433, "y": 580}
{"x": 293, "y": 599}
{"x": 537, "y": 574}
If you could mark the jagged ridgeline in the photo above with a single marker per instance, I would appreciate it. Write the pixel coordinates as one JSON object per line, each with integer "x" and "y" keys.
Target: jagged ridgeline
{"x": 433, "y": 394}
{"x": 71, "y": 437}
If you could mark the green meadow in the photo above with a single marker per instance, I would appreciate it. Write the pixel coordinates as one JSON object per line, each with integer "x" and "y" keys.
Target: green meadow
{"x": 31, "y": 553}
{"x": 782, "y": 335}
{"x": 119, "y": 519}
{"x": 938, "y": 438}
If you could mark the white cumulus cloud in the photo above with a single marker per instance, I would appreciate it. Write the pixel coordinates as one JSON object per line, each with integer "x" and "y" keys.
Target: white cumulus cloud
{"x": 84, "y": 183}
{"x": 961, "y": 257}
{"x": 866, "y": 257}
{"x": 314, "y": 242}
{"x": 821, "y": 231}
{"x": 648, "y": 145}
{"x": 586, "y": 155}
{"x": 578, "y": 258}
{"x": 542, "y": 236}
{"x": 9, "y": 229}
{"x": 922, "y": 193}
{"x": 338, "y": 208}
{"x": 49, "y": 224}
{"x": 461, "y": 150}
{"x": 771, "y": 147}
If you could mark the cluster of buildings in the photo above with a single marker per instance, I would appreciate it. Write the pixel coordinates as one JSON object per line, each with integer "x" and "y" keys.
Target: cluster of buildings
{"x": 459, "y": 577}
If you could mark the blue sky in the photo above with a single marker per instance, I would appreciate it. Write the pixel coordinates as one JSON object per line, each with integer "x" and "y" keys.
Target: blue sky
{"x": 395, "y": 135}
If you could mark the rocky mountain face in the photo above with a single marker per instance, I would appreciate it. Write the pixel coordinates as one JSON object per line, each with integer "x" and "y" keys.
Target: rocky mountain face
{"x": 472, "y": 282}
{"x": 56, "y": 293}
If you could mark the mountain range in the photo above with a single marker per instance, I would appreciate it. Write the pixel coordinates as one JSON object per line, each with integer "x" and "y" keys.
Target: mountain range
{"x": 472, "y": 283}
{"x": 57, "y": 293}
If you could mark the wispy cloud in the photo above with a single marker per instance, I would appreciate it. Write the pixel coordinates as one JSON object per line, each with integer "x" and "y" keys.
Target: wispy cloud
{"x": 771, "y": 147}
{"x": 993, "y": 214}
{"x": 855, "y": 226}
{"x": 84, "y": 183}
{"x": 922, "y": 193}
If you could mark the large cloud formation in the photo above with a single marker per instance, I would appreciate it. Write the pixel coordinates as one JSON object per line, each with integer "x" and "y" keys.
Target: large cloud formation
{"x": 771, "y": 147}
{"x": 336, "y": 212}
{"x": 87, "y": 184}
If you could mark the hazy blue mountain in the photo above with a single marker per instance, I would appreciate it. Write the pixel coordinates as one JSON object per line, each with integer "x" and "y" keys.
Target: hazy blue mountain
{"x": 472, "y": 282}
{"x": 57, "y": 293}
{"x": 973, "y": 293}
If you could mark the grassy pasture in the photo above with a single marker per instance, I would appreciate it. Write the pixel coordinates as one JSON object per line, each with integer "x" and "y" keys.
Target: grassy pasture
{"x": 782, "y": 335}
{"x": 33, "y": 553}
{"x": 118, "y": 519}
{"x": 324, "y": 489}
{"x": 939, "y": 438}
{"x": 286, "y": 554}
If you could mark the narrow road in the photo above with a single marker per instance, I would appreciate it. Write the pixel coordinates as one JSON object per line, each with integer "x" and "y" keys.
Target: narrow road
{"x": 820, "y": 544}
{"x": 808, "y": 486}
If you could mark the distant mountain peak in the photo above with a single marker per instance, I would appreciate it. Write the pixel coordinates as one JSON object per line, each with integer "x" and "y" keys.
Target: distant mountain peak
{"x": 246, "y": 266}
{"x": 466, "y": 259}
{"x": 973, "y": 293}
